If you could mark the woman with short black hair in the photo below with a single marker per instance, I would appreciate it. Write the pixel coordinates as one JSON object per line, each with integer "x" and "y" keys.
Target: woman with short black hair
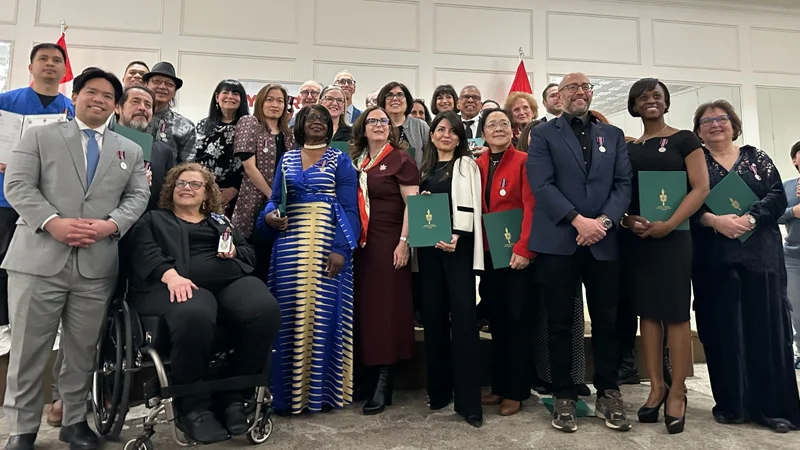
{"x": 445, "y": 98}
{"x": 396, "y": 100}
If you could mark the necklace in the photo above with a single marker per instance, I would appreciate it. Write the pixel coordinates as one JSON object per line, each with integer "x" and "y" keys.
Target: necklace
{"x": 314, "y": 146}
{"x": 643, "y": 140}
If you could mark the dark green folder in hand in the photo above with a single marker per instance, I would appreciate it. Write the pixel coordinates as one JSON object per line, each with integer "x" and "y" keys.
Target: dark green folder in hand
{"x": 429, "y": 220}
{"x": 731, "y": 196}
{"x": 660, "y": 194}
{"x": 344, "y": 146}
{"x": 143, "y": 140}
{"x": 502, "y": 231}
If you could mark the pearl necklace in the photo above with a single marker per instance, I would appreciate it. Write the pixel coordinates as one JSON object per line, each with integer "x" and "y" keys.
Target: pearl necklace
{"x": 315, "y": 146}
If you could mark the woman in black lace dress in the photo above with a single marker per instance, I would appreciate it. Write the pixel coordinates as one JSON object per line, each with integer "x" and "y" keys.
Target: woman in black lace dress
{"x": 743, "y": 317}
{"x": 215, "y": 139}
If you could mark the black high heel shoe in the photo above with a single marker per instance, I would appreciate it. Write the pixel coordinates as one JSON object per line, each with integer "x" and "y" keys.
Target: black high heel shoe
{"x": 382, "y": 397}
{"x": 649, "y": 414}
{"x": 675, "y": 425}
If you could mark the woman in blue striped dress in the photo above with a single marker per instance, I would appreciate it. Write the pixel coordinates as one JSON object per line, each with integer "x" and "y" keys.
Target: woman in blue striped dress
{"x": 311, "y": 273}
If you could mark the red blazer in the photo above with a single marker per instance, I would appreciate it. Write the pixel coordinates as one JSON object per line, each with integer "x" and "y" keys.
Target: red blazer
{"x": 518, "y": 193}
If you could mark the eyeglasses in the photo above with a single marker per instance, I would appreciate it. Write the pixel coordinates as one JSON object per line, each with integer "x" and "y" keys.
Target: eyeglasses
{"x": 346, "y": 82}
{"x": 472, "y": 98}
{"x": 395, "y": 95}
{"x": 498, "y": 124}
{"x": 334, "y": 100}
{"x": 194, "y": 185}
{"x": 159, "y": 81}
{"x": 311, "y": 118}
{"x": 375, "y": 122}
{"x": 309, "y": 93}
{"x": 708, "y": 121}
{"x": 573, "y": 88}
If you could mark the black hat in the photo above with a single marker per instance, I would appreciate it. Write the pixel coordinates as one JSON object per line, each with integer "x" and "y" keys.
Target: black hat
{"x": 166, "y": 69}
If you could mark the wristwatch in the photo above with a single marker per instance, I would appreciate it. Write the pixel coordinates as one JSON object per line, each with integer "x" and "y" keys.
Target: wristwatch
{"x": 752, "y": 221}
{"x": 607, "y": 223}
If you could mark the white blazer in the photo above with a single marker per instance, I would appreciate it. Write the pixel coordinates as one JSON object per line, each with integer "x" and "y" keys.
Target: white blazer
{"x": 465, "y": 196}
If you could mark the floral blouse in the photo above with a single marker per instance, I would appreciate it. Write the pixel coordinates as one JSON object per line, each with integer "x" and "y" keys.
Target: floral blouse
{"x": 215, "y": 151}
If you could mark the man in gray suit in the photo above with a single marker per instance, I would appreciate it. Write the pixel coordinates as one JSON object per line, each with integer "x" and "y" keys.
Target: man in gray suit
{"x": 78, "y": 187}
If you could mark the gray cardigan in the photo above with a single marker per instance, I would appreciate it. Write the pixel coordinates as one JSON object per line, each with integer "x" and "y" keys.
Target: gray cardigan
{"x": 791, "y": 246}
{"x": 417, "y": 134}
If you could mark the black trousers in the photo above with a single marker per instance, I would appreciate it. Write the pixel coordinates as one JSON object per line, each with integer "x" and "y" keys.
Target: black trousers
{"x": 627, "y": 324}
{"x": 245, "y": 307}
{"x": 8, "y": 221}
{"x": 510, "y": 293}
{"x": 451, "y": 336}
{"x": 560, "y": 275}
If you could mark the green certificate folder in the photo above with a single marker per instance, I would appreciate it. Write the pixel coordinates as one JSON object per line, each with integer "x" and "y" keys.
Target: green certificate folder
{"x": 731, "y": 196}
{"x": 429, "y": 220}
{"x": 502, "y": 231}
{"x": 344, "y": 146}
{"x": 660, "y": 193}
{"x": 144, "y": 140}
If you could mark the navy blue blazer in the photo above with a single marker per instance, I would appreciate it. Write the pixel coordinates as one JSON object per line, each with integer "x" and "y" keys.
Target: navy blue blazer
{"x": 561, "y": 183}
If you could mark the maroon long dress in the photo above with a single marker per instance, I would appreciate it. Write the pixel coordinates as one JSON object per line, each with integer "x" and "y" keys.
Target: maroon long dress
{"x": 383, "y": 302}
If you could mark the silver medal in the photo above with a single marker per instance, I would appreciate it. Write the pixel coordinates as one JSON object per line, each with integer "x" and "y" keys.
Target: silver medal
{"x": 123, "y": 166}
{"x": 162, "y": 135}
{"x": 661, "y": 150}
{"x": 602, "y": 149}
{"x": 758, "y": 177}
{"x": 502, "y": 192}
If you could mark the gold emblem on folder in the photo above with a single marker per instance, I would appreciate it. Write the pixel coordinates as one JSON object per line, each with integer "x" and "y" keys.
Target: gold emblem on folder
{"x": 735, "y": 204}
{"x": 663, "y": 199}
{"x": 507, "y": 235}
{"x": 429, "y": 218}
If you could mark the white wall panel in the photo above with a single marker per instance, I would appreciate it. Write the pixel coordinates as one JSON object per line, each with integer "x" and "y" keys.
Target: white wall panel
{"x": 695, "y": 45}
{"x": 394, "y": 24}
{"x": 601, "y": 38}
{"x": 497, "y": 31}
{"x": 8, "y": 11}
{"x": 255, "y": 20}
{"x": 492, "y": 84}
{"x": 140, "y": 16}
{"x": 369, "y": 77}
{"x": 203, "y": 71}
{"x": 775, "y": 51}
{"x": 113, "y": 59}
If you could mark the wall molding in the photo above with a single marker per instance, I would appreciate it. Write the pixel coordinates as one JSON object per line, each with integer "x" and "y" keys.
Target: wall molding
{"x": 16, "y": 13}
{"x": 182, "y": 32}
{"x": 368, "y": 47}
{"x": 529, "y": 12}
{"x": 735, "y": 28}
{"x": 595, "y": 16}
{"x": 346, "y": 64}
{"x": 715, "y": 6}
{"x": 39, "y": 23}
{"x": 752, "y": 53}
{"x": 181, "y": 53}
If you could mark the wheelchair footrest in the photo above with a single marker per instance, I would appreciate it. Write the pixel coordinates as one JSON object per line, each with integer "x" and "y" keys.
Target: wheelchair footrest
{"x": 207, "y": 387}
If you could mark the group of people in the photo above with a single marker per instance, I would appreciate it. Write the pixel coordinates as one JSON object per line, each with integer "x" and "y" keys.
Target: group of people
{"x": 258, "y": 224}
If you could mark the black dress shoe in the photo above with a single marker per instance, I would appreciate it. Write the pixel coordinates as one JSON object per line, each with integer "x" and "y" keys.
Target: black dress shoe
{"x": 202, "y": 427}
{"x": 236, "y": 419}
{"x": 433, "y": 406}
{"x": 727, "y": 419}
{"x": 474, "y": 420}
{"x": 21, "y": 441}
{"x": 382, "y": 397}
{"x": 628, "y": 371}
{"x": 79, "y": 436}
{"x": 583, "y": 390}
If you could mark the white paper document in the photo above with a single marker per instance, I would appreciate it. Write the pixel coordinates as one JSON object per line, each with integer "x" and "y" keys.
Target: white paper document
{"x": 13, "y": 127}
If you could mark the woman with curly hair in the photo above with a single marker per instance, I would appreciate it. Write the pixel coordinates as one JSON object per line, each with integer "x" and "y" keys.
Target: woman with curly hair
{"x": 523, "y": 109}
{"x": 191, "y": 266}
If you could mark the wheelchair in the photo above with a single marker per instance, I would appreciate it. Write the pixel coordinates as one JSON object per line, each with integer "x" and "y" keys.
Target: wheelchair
{"x": 129, "y": 365}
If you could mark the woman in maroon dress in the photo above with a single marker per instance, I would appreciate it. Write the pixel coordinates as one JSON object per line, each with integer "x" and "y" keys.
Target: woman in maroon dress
{"x": 383, "y": 302}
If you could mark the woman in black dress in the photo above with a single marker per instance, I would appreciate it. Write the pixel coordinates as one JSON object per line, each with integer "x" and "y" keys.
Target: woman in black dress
{"x": 215, "y": 136}
{"x": 656, "y": 257}
{"x": 743, "y": 316}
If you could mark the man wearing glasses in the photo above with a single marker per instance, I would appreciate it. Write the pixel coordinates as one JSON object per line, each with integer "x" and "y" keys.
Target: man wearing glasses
{"x": 346, "y": 81}
{"x": 309, "y": 95}
{"x": 168, "y": 126}
{"x": 469, "y": 103}
{"x": 580, "y": 173}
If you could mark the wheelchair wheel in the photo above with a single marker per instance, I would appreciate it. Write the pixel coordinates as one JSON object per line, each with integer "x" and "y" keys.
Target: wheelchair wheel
{"x": 260, "y": 433}
{"x": 110, "y": 379}
{"x": 125, "y": 370}
{"x": 146, "y": 444}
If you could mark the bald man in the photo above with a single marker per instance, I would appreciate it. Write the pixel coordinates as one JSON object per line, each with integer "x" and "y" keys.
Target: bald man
{"x": 309, "y": 95}
{"x": 580, "y": 173}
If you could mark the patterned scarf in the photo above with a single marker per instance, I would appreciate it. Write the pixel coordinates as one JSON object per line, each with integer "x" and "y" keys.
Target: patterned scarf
{"x": 364, "y": 165}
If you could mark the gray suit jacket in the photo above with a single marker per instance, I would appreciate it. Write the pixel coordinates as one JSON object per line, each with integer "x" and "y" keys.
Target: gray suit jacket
{"x": 47, "y": 175}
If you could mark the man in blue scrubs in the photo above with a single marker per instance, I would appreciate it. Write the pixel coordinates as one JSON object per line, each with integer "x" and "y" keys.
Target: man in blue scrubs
{"x": 48, "y": 66}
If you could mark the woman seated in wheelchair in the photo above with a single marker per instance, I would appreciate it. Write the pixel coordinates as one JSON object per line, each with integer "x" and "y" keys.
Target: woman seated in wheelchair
{"x": 190, "y": 266}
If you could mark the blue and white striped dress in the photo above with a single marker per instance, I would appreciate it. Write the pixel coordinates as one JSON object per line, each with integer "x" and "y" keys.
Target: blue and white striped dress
{"x": 313, "y": 361}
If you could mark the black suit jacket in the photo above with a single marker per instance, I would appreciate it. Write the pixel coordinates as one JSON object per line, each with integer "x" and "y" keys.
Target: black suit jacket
{"x": 161, "y": 161}
{"x": 159, "y": 241}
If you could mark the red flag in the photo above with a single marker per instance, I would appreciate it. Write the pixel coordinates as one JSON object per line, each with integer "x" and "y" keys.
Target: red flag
{"x": 521, "y": 82}
{"x": 62, "y": 42}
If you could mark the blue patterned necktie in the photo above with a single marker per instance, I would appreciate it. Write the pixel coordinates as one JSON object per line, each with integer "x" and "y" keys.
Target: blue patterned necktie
{"x": 92, "y": 156}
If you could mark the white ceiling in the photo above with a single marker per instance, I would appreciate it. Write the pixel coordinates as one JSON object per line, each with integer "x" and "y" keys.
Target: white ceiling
{"x": 611, "y": 94}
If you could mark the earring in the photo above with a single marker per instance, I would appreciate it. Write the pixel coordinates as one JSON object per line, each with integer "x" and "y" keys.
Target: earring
{"x": 203, "y": 206}
{"x": 217, "y": 106}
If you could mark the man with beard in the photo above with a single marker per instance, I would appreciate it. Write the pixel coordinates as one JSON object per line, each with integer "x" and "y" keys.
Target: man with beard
{"x": 580, "y": 173}
{"x": 175, "y": 130}
{"x": 135, "y": 110}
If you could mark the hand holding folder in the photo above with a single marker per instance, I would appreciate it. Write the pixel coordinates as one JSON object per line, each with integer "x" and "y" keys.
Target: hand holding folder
{"x": 732, "y": 196}
{"x": 429, "y": 220}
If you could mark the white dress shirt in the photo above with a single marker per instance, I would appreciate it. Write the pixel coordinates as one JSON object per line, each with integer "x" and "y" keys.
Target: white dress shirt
{"x": 349, "y": 113}
{"x": 550, "y": 117}
{"x": 474, "y": 126}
